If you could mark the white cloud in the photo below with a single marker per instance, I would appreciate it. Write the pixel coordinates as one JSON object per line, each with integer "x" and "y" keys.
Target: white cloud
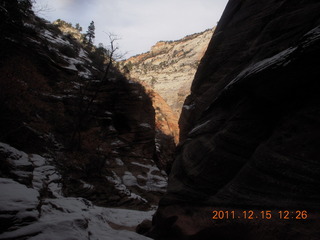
{"x": 139, "y": 23}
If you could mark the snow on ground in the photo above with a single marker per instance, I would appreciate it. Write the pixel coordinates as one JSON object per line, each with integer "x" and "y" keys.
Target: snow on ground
{"x": 19, "y": 162}
{"x": 30, "y": 216}
{"x": 126, "y": 217}
{"x": 73, "y": 62}
{"x": 14, "y": 156}
{"x": 129, "y": 180}
{"x": 84, "y": 55}
{"x": 85, "y": 74}
{"x": 53, "y": 96}
{"x": 54, "y": 39}
{"x": 117, "y": 143}
{"x": 86, "y": 185}
{"x": 81, "y": 59}
{"x": 14, "y": 194}
{"x": 119, "y": 162}
{"x": 78, "y": 219}
{"x": 154, "y": 182}
{"x": 158, "y": 145}
{"x": 119, "y": 185}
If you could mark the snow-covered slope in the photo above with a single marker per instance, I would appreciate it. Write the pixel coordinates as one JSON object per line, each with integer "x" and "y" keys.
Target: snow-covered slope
{"x": 96, "y": 124}
{"x": 32, "y": 205}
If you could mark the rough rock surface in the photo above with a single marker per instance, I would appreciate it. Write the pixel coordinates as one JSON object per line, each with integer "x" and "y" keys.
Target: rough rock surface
{"x": 167, "y": 131}
{"x": 54, "y": 101}
{"x": 250, "y": 128}
{"x": 169, "y": 67}
{"x": 32, "y": 205}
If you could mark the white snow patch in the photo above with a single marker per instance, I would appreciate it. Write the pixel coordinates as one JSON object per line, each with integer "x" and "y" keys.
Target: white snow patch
{"x": 14, "y": 156}
{"x": 84, "y": 55}
{"x": 154, "y": 182}
{"x": 81, "y": 59}
{"x": 53, "y": 96}
{"x": 196, "y": 128}
{"x": 20, "y": 166}
{"x": 71, "y": 67}
{"x": 119, "y": 162}
{"x": 129, "y": 180}
{"x": 116, "y": 143}
{"x": 129, "y": 218}
{"x": 86, "y": 185}
{"x": 29, "y": 25}
{"x": 312, "y": 36}
{"x": 46, "y": 176}
{"x": 158, "y": 145}
{"x": 279, "y": 59}
{"x": 16, "y": 197}
{"x": 146, "y": 125}
{"x": 112, "y": 128}
{"x": 188, "y": 107}
{"x": 85, "y": 74}
{"x": 78, "y": 219}
{"x": 72, "y": 63}
{"x": 122, "y": 188}
{"x": 108, "y": 113}
{"x": 60, "y": 218}
{"x": 131, "y": 82}
{"x": 55, "y": 39}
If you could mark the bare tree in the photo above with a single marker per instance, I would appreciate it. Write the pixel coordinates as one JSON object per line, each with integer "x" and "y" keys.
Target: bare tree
{"x": 113, "y": 53}
{"x": 86, "y": 100}
{"x": 41, "y": 8}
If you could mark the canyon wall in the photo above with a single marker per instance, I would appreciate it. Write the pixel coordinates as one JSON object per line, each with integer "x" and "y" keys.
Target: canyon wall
{"x": 97, "y": 126}
{"x": 169, "y": 67}
{"x": 249, "y": 129}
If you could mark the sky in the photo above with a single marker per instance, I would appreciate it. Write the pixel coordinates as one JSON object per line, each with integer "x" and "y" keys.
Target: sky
{"x": 139, "y": 24}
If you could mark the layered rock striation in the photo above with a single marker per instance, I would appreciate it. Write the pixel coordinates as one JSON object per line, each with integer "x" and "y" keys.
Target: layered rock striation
{"x": 169, "y": 67}
{"x": 249, "y": 128}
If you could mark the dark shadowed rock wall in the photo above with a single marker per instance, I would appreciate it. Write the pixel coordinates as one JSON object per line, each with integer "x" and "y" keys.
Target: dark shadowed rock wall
{"x": 97, "y": 126}
{"x": 250, "y": 136}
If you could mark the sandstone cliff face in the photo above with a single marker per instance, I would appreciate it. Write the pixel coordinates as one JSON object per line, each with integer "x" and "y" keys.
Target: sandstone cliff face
{"x": 67, "y": 28}
{"x": 99, "y": 132}
{"x": 167, "y": 130}
{"x": 169, "y": 67}
{"x": 250, "y": 128}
